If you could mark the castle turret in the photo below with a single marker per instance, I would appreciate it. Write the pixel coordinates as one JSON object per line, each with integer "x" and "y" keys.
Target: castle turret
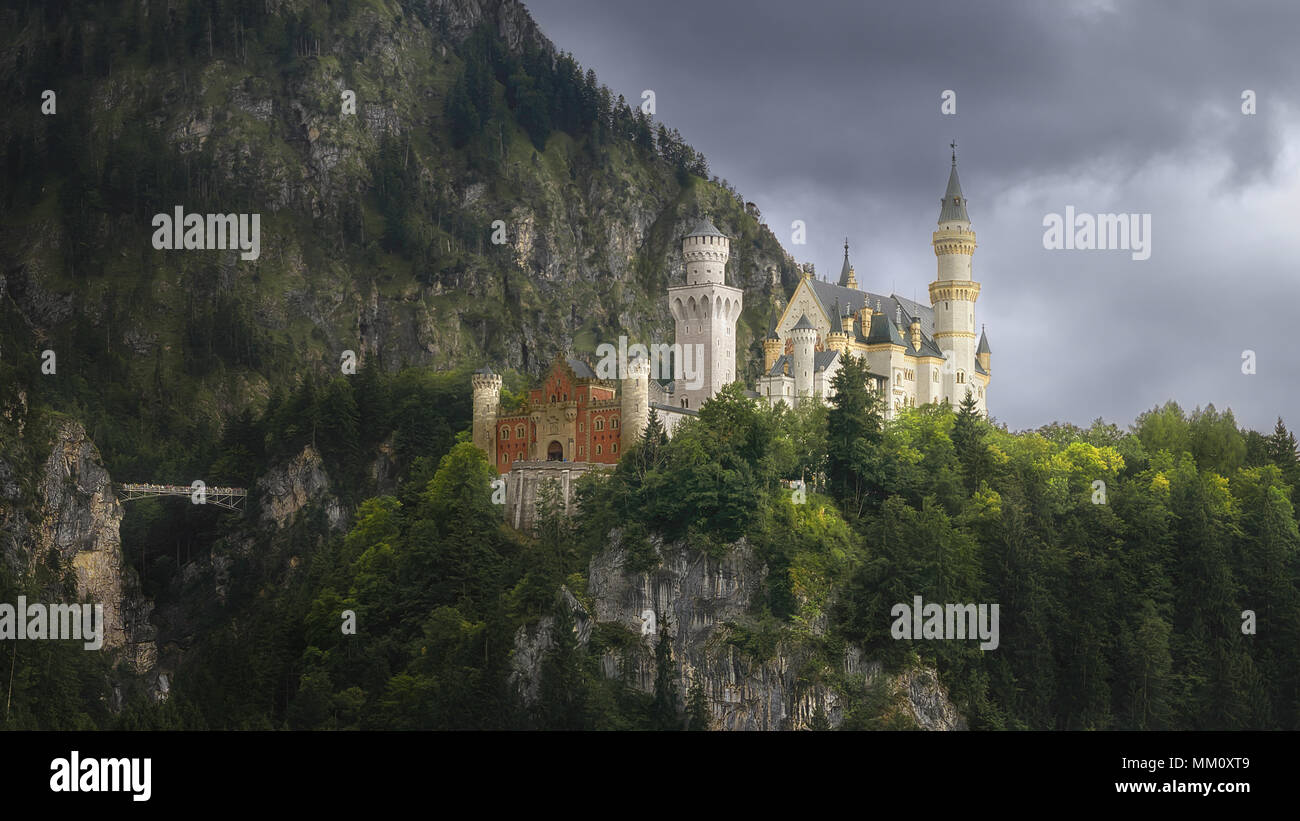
{"x": 838, "y": 338}
{"x": 706, "y": 250}
{"x": 706, "y": 310}
{"x": 805, "y": 338}
{"x": 984, "y": 353}
{"x": 772, "y": 344}
{"x": 954, "y": 291}
{"x": 486, "y": 397}
{"x": 635, "y": 400}
{"x": 848, "y": 277}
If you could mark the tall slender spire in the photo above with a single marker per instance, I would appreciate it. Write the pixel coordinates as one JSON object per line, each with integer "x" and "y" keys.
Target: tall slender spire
{"x": 846, "y": 270}
{"x": 953, "y": 205}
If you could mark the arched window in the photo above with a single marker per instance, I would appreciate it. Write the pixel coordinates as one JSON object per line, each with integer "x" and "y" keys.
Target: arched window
{"x": 600, "y": 423}
{"x": 552, "y": 399}
{"x": 519, "y": 432}
{"x": 613, "y": 423}
{"x": 564, "y": 397}
{"x": 582, "y": 427}
{"x": 505, "y": 433}
{"x": 613, "y": 448}
{"x": 961, "y": 377}
{"x": 597, "y": 450}
{"x": 686, "y": 402}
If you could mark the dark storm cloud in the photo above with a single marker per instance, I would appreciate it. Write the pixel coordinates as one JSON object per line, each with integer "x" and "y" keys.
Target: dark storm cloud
{"x": 829, "y": 113}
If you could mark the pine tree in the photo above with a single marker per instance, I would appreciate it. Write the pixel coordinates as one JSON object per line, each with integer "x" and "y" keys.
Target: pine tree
{"x": 853, "y": 432}
{"x": 968, "y": 440}
{"x": 697, "y": 707}
{"x": 663, "y": 710}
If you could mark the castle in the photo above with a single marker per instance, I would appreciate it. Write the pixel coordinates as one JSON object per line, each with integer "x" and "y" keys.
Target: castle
{"x": 916, "y": 353}
{"x": 578, "y": 419}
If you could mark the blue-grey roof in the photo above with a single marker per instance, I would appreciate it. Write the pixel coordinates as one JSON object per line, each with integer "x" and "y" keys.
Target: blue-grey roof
{"x": 854, "y": 300}
{"x": 980, "y": 368}
{"x": 836, "y": 325}
{"x": 771, "y": 325}
{"x": 485, "y": 370}
{"x": 580, "y": 368}
{"x": 846, "y": 267}
{"x": 821, "y": 361}
{"x": 803, "y": 324}
{"x": 984, "y": 344}
{"x": 706, "y": 228}
{"x": 954, "y": 204}
{"x": 883, "y": 329}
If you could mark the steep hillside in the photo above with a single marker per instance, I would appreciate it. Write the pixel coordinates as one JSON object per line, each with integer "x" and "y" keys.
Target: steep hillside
{"x": 376, "y": 226}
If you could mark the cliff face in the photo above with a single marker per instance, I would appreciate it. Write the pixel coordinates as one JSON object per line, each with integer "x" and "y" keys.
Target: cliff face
{"x": 73, "y": 525}
{"x": 288, "y": 488}
{"x": 704, "y": 601}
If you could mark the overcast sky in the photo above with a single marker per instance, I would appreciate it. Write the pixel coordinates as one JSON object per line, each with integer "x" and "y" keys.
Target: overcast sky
{"x": 829, "y": 112}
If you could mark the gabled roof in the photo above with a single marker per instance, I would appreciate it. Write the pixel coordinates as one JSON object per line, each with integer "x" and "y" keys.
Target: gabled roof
{"x": 580, "y": 369}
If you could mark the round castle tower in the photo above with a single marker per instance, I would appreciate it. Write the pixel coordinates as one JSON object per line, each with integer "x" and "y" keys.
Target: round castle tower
{"x": 706, "y": 251}
{"x": 706, "y": 310}
{"x": 486, "y": 397}
{"x": 804, "y": 336}
{"x": 953, "y": 292}
{"x": 634, "y": 401}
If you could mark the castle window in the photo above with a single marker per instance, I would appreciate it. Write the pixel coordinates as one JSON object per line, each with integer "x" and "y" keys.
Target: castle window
{"x": 600, "y": 423}
{"x": 552, "y": 399}
{"x": 935, "y": 376}
{"x": 582, "y": 450}
{"x": 505, "y": 433}
{"x": 961, "y": 377}
{"x": 564, "y": 397}
{"x": 582, "y": 427}
{"x": 613, "y": 448}
{"x": 613, "y": 423}
{"x": 519, "y": 432}
{"x": 597, "y": 450}
{"x": 686, "y": 403}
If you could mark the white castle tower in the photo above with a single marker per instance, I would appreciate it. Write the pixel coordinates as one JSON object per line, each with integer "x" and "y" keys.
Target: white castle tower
{"x": 706, "y": 310}
{"x": 804, "y": 336}
{"x": 635, "y": 399}
{"x": 486, "y": 397}
{"x": 953, "y": 294}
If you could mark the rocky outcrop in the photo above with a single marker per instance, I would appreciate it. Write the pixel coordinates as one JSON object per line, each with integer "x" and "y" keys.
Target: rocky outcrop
{"x": 288, "y": 489}
{"x": 79, "y": 521}
{"x": 703, "y": 602}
